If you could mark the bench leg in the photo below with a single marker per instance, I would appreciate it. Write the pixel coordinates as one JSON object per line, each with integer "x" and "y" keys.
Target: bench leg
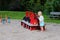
{"x": 21, "y": 23}
{"x": 38, "y": 28}
{"x": 27, "y": 26}
{"x": 24, "y": 25}
{"x": 32, "y": 28}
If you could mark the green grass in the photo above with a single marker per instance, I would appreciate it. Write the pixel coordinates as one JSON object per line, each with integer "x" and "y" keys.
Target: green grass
{"x": 20, "y": 15}
{"x": 49, "y": 20}
{"x": 12, "y": 14}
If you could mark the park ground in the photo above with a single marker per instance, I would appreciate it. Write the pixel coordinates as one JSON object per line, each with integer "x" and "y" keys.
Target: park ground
{"x": 14, "y": 31}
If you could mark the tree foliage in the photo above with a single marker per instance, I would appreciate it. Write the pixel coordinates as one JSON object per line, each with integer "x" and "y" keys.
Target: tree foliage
{"x": 32, "y": 5}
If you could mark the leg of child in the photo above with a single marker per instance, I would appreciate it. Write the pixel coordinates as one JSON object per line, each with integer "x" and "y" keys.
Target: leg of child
{"x": 42, "y": 26}
{"x": 42, "y": 29}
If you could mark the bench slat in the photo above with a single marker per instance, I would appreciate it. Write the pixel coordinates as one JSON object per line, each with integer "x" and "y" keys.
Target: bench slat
{"x": 55, "y": 13}
{"x": 28, "y": 23}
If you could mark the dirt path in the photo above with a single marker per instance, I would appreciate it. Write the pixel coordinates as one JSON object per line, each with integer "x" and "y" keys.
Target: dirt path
{"x": 14, "y": 31}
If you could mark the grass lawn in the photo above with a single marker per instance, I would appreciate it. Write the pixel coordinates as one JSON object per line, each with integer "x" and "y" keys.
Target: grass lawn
{"x": 20, "y": 15}
{"x": 12, "y": 14}
{"x": 50, "y": 20}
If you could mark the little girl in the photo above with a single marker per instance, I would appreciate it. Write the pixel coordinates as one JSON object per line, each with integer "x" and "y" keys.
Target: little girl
{"x": 41, "y": 20}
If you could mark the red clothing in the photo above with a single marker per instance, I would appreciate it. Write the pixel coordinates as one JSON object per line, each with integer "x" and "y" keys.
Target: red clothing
{"x": 27, "y": 14}
{"x": 34, "y": 21}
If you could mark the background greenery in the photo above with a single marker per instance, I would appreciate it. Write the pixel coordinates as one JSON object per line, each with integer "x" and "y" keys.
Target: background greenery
{"x": 33, "y": 5}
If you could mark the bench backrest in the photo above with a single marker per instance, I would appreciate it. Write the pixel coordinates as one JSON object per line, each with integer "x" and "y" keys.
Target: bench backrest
{"x": 54, "y": 13}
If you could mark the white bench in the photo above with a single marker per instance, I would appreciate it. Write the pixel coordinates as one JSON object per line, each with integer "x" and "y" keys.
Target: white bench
{"x": 54, "y": 14}
{"x": 28, "y": 23}
{"x": 30, "y": 26}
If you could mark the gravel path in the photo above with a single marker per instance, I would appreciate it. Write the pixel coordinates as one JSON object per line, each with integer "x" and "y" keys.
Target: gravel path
{"x": 14, "y": 31}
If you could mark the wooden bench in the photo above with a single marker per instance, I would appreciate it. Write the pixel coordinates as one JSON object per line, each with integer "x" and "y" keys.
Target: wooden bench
{"x": 30, "y": 26}
{"x": 54, "y": 15}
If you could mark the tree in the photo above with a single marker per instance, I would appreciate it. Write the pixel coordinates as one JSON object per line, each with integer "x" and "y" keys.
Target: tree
{"x": 32, "y": 5}
{"x": 57, "y": 5}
